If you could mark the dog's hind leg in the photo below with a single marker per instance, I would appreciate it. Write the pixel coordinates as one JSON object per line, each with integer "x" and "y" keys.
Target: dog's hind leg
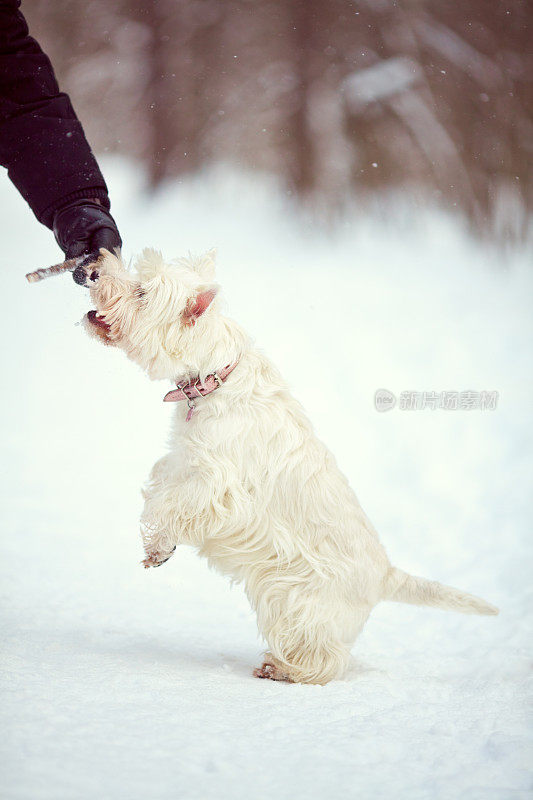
{"x": 305, "y": 660}
{"x": 311, "y": 644}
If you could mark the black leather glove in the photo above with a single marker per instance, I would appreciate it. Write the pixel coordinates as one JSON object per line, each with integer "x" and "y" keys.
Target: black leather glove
{"x": 84, "y": 226}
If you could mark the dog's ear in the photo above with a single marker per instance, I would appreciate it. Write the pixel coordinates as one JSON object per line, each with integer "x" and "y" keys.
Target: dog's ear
{"x": 205, "y": 265}
{"x": 149, "y": 264}
{"x": 198, "y": 304}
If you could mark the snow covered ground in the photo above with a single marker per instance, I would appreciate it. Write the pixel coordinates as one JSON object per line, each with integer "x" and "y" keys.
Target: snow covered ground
{"x": 125, "y": 683}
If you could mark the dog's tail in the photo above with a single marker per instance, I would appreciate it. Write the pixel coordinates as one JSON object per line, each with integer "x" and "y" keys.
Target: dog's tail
{"x": 404, "y": 588}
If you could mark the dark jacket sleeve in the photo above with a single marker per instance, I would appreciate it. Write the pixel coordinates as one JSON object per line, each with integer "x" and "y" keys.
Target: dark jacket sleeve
{"x": 42, "y": 143}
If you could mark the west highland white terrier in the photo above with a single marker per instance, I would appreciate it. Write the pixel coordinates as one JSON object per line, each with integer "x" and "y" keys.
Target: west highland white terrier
{"x": 246, "y": 481}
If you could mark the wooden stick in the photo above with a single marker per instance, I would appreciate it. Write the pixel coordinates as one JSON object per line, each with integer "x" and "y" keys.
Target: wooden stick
{"x": 66, "y": 266}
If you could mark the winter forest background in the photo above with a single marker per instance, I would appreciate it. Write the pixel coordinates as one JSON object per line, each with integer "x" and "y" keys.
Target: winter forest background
{"x": 429, "y": 98}
{"x": 364, "y": 169}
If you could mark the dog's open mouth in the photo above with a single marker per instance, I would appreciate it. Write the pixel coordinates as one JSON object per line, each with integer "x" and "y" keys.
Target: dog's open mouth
{"x": 95, "y": 319}
{"x": 97, "y": 326}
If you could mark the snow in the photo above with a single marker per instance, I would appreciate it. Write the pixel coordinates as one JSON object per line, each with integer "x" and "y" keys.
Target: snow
{"x": 125, "y": 683}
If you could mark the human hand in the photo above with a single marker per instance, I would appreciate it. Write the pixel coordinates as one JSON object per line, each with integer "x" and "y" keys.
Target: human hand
{"x": 84, "y": 226}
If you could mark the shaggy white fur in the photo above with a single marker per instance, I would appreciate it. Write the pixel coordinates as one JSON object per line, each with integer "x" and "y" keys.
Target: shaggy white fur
{"x": 246, "y": 481}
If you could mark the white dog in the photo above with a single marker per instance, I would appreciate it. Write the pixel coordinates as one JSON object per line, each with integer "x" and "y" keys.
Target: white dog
{"x": 246, "y": 481}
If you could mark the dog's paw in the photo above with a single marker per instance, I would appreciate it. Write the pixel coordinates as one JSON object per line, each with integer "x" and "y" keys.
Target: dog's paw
{"x": 271, "y": 672}
{"x": 155, "y": 559}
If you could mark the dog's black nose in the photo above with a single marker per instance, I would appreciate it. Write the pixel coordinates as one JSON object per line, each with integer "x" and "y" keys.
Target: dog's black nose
{"x": 80, "y": 276}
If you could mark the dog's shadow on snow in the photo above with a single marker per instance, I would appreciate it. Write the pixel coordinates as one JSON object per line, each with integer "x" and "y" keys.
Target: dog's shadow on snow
{"x": 186, "y": 658}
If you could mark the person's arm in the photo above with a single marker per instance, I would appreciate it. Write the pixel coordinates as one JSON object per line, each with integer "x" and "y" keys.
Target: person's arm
{"x": 43, "y": 145}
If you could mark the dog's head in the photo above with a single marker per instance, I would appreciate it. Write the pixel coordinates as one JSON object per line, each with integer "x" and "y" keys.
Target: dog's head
{"x": 162, "y": 314}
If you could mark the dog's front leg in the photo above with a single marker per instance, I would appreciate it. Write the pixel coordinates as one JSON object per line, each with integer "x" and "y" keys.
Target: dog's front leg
{"x": 159, "y": 523}
{"x": 158, "y": 540}
{"x": 155, "y": 558}
{"x": 170, "y": 511}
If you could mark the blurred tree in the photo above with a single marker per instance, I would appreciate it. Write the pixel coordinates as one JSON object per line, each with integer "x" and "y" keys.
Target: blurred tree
{"x": 332, "y": 95}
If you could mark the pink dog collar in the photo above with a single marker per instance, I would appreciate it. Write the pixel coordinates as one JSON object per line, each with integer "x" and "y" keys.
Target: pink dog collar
{"x": 191, "y": 390}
